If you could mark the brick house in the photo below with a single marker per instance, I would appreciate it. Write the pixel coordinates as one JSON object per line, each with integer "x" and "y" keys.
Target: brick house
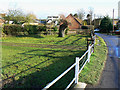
{"x": 75, "y": 23}
{"x": 115, "y": 21}
{"x": 96, "y": 22}
{"x": 1, "y": 22}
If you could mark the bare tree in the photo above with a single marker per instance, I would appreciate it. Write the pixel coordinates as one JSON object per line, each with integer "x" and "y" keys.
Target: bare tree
{"x": 100, "y": 16}
{"x": 62, "y": 16}
{"x": 90, "y": 14}
{"x": 30, "y": 17}
{"x": 81, "y": 14}
{"x": 18, "y": 16}
{"x": 91, "y": 11}
{"x": 63, "y": 26}
{"x": 89, "y": 19}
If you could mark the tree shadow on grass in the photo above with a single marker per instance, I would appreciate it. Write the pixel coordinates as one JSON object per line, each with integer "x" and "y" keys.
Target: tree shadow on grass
{"x": 35, "y": 36}
{"x": 79, "y": 37}
{"x": 45, "y": 71}
{"x": 64, "y": 39}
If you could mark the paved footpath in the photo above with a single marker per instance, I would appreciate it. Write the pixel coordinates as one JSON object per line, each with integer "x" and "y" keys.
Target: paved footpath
{"x": 110, "y": 77}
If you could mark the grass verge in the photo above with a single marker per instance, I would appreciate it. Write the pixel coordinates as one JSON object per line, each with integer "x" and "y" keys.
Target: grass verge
{"x": 92, "y": 71}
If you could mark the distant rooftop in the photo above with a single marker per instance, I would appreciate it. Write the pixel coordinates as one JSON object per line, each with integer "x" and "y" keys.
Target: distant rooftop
{"x": 53, "y": 17}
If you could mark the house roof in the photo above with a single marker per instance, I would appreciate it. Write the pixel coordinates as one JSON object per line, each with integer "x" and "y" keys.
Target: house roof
{"x": 116, "y": 19}
{"x": 2, "y": 15}
{"x": 2, "y": 21}
{"x": 76, "y": 19}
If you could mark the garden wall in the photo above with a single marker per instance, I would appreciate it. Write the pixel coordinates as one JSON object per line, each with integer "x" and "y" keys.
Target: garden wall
{"x": 79, "y": 31}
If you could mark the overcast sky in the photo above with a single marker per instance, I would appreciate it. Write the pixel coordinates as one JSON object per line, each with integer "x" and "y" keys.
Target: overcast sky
{"x": 43, "y": 8}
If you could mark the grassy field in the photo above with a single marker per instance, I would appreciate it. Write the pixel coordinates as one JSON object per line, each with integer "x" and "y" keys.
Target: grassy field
{"x": 48, "y": 39}
{"x": 25, "y": 66}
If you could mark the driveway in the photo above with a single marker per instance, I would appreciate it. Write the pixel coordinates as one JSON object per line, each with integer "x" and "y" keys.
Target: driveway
{"x": 110, "y": 77}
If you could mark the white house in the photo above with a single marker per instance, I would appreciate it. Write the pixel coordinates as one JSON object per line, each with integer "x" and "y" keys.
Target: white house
{"x": 53, "y": 18}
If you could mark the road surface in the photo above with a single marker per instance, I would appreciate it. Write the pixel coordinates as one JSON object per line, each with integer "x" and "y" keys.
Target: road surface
{"x": 110, "y": 77}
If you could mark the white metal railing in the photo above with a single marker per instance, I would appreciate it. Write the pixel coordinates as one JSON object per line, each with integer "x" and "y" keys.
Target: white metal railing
{"x": 77, "y": 69}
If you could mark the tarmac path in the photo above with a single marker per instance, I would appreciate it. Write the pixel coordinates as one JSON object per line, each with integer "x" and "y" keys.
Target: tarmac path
{"x": 110, "y": 77}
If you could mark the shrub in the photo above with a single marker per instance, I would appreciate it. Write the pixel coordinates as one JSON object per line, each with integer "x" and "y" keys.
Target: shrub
{"x": 84, "y": 27}
{"x": 55, "y": 28}
{"x": 31, "y": 29}
{"x": 66, "y": 31}
{"x": 41, "y": 28}
{"x": 106, "y": 25}
{"x": 115, "y": 27}
{"x": 12, "y": 29}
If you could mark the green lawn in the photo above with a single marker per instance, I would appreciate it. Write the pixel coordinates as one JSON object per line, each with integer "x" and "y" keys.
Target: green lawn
{"x": 27, "y": 66}
{"x": 24, "y": 66}
{"x": 48, "y": 39}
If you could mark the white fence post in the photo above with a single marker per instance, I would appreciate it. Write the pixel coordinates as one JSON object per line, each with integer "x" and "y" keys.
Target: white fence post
{"x": 94, "y": 39}
{"x": 77, "y": 70}
{"x": 89, "y": 53}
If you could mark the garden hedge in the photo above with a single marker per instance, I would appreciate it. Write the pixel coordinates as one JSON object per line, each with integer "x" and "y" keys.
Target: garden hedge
{"x": 14, "y": 29}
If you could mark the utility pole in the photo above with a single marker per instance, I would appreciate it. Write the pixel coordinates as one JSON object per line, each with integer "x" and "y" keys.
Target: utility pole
{"x": 94, "y": 21}
{"x": 113, "y": 20}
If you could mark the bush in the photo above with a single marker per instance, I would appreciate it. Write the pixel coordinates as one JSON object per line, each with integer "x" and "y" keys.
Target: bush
{"x": 12, "y": 29}
{"x": 66, "y": 31}
{"x": 84, "y": 27}
{"x": 31, "y": 29}
{"x": 41, "y": 28}
{"x": 55, "y": 28}
{"x": 106, "y": 25}
{"x": 115, "y": 27}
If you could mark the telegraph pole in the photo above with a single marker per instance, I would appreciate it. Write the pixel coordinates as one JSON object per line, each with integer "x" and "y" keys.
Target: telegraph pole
{"x": 113, "y": 20}
{"x": 94, "y": 21}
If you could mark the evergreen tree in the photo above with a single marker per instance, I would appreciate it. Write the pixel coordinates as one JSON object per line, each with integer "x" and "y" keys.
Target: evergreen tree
{"x": 106, "y": 25}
